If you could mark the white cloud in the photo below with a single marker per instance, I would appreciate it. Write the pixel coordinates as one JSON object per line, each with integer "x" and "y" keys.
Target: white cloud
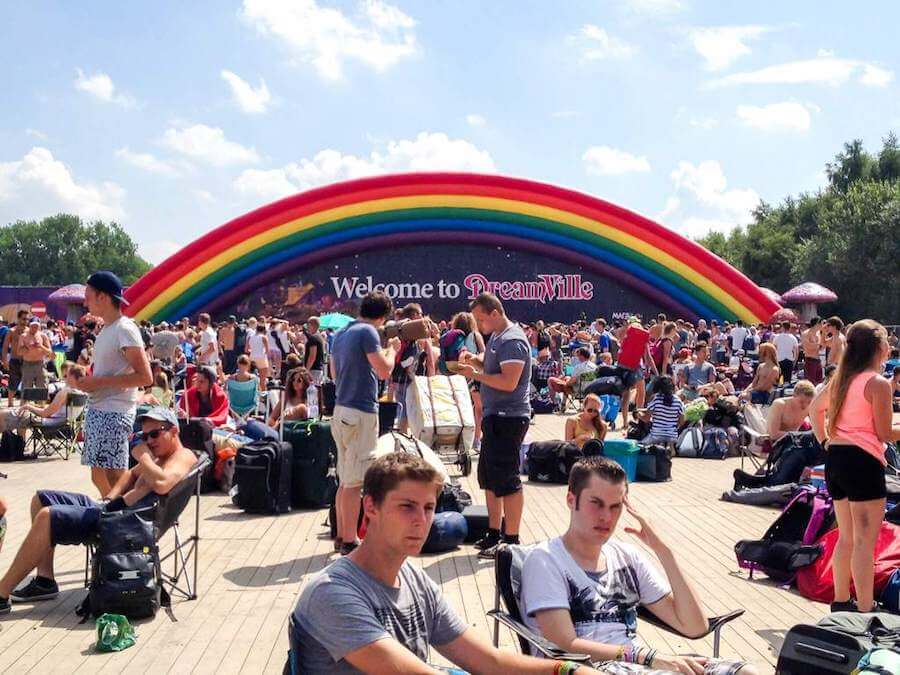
{"x": 203, "y": 195}
{"x": 427, "y": 152}
{"x": 248, "y": 99}
{"x": 602, "y": 160}
{"x": 705, "y": 202}
{"x": 36, "y": 133}
{"x": 823, "y": 69}
{"x": 100, "y": 86}
{"x": 380, "y": 36}
{"x": 787, "y": 116}
{"x": 655, "y": 6}
{"x": 156, "y": 251}
{"x": 38, "y": 184}
{"x": 705, "y": 123}
{"x": 720, "y": 46}
{"x": 147, "y": 162}
{"x": 596, "y": 44}
{"x": 209, "y": 145}
{"x": 474, "y": 120}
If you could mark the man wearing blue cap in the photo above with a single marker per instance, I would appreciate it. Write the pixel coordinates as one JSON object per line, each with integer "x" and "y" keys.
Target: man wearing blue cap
{"x": 72, "y": 518}
{"x": 121, "y": 367}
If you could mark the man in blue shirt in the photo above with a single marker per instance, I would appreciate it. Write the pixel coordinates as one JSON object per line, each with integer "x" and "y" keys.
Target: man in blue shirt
{"x": 503, "y": 371}
{"x": 357, "y": 363}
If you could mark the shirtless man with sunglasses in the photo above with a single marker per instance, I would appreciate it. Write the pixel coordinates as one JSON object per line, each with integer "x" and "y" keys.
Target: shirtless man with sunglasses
{"x": 72, "y": 518}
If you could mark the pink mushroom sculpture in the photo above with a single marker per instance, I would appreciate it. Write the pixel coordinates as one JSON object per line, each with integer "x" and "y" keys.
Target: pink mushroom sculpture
{"x": 806, "y": 297}
{"x": 72, "y": 296}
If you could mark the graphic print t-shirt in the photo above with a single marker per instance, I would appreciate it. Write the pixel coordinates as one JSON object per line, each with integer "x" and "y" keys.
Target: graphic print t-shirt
{"x": 603, "y": 605}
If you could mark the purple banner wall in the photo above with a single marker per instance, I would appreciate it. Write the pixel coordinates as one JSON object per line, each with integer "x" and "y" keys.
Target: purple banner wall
{"x": 14, "y": 298}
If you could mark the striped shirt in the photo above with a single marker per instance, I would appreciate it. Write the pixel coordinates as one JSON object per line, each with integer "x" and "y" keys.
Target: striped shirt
{"x": 664, "y": 418}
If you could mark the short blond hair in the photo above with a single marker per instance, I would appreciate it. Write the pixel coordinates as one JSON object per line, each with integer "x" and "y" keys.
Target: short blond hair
{"x": 805, "y": 388}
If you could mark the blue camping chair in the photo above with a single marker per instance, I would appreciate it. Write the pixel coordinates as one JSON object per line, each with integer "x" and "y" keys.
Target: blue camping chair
{"x": 243, "y": 398}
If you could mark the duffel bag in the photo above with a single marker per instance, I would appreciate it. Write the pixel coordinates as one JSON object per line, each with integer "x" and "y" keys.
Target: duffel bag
{"x": 654, "y": 464}
{"x": 448, "y": 531}
{"x": 550, "y": 461}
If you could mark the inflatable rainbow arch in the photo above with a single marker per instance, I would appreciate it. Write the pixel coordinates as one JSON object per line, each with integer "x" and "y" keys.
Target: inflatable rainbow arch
{"x": 393, "y": 211}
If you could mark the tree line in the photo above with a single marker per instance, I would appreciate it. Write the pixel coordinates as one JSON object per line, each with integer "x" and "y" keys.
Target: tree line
{"x": 845, "y": 237}
{"x": 64, "y": 249}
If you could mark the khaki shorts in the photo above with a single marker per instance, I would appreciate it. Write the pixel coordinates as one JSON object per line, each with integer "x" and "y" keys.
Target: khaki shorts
{"x": 355, "y": 435}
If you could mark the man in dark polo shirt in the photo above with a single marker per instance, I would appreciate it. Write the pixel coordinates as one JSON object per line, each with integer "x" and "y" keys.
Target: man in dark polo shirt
{"x": 503, "y": 372}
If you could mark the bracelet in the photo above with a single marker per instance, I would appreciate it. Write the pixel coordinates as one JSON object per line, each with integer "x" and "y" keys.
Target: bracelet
{"x": 628, "y": 654}
{"x": 648, "y": 662}
{"x": 566, "y": 667}
{"x": 620, "y": 653}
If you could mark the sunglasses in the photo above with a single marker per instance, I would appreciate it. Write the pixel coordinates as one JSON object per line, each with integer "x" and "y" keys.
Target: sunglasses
{"x": 592, "y": 410}
{"x": 152, "y": 434}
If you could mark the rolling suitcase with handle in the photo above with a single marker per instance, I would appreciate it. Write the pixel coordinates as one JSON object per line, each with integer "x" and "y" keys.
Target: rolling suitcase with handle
{"x": 262, "y": 476}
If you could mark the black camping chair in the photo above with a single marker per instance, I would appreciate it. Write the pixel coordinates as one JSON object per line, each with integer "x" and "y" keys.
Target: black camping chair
{"x": 507, "y": 577}
{"x": 185, "y": 552}
{"x": 35, "y": 395}
{"x": 59, "y": 437}
{"x": 292, "y": 665}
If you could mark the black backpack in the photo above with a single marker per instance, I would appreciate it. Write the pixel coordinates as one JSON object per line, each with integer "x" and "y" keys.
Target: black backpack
{"x": 262, "y": 475}
{"x": 551, "y": 461}
{"x": 12, "y": 447}
{"x": 125, "y": 569}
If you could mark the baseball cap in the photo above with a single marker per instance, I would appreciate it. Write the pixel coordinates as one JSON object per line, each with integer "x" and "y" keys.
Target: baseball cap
{"x": 34, "y": 322}
{"x": 232, "y": 319}
{"x": 160, "y": 414}
{"x": 107, "y": 282}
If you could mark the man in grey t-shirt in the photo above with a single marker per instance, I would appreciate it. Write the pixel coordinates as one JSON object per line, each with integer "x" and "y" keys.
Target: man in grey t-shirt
{"x": 504, "y": 372}
{"x": 373, "y": 611}
{"x": 697, "y": 374}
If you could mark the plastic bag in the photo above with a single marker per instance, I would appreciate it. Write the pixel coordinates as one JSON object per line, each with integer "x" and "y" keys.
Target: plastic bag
{"x": 114, "y": 633}
{"x": 695, "y": 410}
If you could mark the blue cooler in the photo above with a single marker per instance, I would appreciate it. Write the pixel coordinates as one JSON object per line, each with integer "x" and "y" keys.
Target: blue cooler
{"x": 625, "y": 452}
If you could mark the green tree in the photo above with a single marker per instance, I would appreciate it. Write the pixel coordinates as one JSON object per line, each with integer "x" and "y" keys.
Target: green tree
{"x": 844, "y": 237}
{"x": 63, "y": 249}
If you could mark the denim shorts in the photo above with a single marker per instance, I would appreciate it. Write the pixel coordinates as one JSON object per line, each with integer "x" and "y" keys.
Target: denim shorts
{"x": 75, "y": 518}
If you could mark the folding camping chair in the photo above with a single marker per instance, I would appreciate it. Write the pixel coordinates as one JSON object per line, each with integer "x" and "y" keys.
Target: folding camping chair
{"x": 36, "y": 395}
{"x": 59, "y": 437}
{"x": 755, "y": 434}
{"x": 508, "y": 580}
{"x": 243, "y": 398}
{"x": 185, "y": 552}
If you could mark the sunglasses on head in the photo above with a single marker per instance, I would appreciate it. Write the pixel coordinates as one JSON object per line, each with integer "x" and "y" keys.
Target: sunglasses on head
{"x": 152, "y": 434}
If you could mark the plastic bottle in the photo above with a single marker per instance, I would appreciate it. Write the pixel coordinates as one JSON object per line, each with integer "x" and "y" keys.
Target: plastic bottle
{"x": 312, "y": 401}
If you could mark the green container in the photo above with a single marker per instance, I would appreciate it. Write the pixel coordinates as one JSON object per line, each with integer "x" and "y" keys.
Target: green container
{"x": 625, "y": 452}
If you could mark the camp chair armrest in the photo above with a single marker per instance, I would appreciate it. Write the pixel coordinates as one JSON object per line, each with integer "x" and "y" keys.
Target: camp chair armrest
{"x": 716, "y": 622}
{"x": 544, "y": 646}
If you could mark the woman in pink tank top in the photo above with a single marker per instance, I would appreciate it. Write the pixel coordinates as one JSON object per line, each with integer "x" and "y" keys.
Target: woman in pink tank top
{"x": 852, "y": 416}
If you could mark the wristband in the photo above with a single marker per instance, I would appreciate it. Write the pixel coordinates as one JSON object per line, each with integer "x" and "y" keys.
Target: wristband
{"x": 566, "y": 667}
{"x": 648, "y": 662}
{"x": 620, "y": 653}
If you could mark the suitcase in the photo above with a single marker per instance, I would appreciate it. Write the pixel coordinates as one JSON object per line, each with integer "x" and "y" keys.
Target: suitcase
{"x": 654, "y": 464}
{"x": 197, "y": 434}
{"x": 633, "y": 345}
{"x": 811, "y": 650}
{"x": 476, "y": 517}
{"x": 440, "y": 413}
{"x": 313, "y": 457}
{"x": 262, "y": 475}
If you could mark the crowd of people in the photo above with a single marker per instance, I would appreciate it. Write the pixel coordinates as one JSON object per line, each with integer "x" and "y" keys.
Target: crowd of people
{"x": 370, "y": 606}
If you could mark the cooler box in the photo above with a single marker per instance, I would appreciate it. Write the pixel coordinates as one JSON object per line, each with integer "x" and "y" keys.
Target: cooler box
{"x": 625, "y": 452}
{"x": 817, "y": 477}
{"x": 440, "y": 414}
{"x": 633, "y": 345}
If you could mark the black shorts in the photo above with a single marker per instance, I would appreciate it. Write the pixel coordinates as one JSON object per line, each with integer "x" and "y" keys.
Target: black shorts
{"x": 498, "y": 463}
{"x": 854, "y": 474}
{"x": 15, "y": 374}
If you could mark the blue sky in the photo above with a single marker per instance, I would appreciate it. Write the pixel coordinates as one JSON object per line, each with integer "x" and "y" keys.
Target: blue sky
{"x": 173, "y": 117}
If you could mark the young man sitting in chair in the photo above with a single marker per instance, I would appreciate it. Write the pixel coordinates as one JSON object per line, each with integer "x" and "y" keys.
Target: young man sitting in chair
{"x": 582, "y": 590}
{"x": 71, "y": 518}
{"x": 374, "y": 612}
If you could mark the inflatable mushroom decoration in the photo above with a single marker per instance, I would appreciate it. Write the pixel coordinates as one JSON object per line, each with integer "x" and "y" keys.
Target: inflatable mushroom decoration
{"x": 72, "y": 296}
{"x": 806, "y": 297}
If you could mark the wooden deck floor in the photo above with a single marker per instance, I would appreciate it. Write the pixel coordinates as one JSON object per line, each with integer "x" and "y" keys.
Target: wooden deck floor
{"x": 252, "y": 568}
